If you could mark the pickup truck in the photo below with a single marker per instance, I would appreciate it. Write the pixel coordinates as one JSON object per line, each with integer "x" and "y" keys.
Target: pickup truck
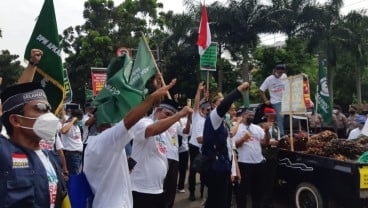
{"x": 321, "y": 182}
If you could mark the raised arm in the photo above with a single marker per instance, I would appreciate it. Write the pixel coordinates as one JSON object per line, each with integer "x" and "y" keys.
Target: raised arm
{"x": 29, "y": 72}
{"x": 141, "y": 110}
{"x": 163, "y": 124}
{"x": 197, "y": 97}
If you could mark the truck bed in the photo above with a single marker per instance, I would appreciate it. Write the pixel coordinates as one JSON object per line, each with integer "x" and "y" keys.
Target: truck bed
{"x": 343, "y": 182}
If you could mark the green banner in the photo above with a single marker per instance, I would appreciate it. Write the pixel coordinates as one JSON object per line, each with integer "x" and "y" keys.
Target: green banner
{"x": 324, "y": 106}
{"x": 49, "y": 70}
{"x": 143, "y": 67}
{"x": 209, "y": 58}
{"x": 67, "y": 88}
{"x": 117, "y": 97}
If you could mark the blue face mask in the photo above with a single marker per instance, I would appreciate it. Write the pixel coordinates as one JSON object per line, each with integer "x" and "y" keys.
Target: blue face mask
{"x": 227, "y": 117}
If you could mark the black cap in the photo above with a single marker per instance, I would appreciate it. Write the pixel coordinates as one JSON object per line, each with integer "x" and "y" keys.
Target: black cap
{"x": 280, "y": 65}
{"x": 19, "y": 88}
{"x": 17, "y": 95}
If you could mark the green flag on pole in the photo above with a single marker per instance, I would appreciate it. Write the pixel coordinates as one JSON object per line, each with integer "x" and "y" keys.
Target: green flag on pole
{"x": 49, "y": 70}
{"x": 323, "y": 101}
{"x": 115, "y": 100}
{"x": 143, "y": 67}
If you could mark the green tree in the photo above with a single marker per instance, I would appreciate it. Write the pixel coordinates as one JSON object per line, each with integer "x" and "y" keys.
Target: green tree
{"x": 323, "y": 37}
{"x": 10, "y": 69}
{"x": 356, "y": 43}
{"x": 106, "y": 28}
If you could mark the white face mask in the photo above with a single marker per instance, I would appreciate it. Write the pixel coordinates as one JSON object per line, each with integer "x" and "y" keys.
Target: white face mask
{"x": 335, "y": 111}
{"x": 45, "y": 126}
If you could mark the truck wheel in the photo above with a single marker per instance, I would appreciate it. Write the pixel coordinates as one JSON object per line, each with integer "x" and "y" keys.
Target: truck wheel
{"x": 308, "y": 196}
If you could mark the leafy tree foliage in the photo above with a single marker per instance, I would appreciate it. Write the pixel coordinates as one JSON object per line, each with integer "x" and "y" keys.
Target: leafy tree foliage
{"x": 10, "y": 69}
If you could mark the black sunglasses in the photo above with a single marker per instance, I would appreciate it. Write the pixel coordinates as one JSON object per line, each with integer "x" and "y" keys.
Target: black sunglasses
{"x": 42, "y": 107}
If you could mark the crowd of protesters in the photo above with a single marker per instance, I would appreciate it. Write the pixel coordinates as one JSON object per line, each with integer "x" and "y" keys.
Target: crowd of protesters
{"x": 39, "y": 152}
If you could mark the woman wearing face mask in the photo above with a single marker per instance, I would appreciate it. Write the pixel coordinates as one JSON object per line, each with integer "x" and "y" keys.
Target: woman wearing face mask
{"x": 31, "y": 177}
{"x": 71, "y": 137}
{"x": 248, "y": 139}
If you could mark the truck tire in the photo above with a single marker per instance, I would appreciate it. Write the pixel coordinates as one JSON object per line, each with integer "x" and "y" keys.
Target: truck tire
{"x": 308, "y": 196}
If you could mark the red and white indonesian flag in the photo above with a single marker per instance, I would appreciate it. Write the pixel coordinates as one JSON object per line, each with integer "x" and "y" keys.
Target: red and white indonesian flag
{"x": 204, "y": 37}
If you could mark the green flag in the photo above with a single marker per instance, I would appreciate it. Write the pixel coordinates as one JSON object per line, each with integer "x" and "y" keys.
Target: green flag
{"x": 49, "y": 70}
{"x": 323, "y": 101}
{"x": 115, "y": 100}
{"x": 67, "y": 88}
{"x": 144, "y": 66}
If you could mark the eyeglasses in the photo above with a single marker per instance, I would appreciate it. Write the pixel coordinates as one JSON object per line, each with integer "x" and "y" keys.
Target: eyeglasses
{"x": 208, "y": 110}
{"x": 42, "y": 107}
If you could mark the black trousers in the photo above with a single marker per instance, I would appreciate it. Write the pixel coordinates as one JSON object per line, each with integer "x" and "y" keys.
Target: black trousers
{"x": 193, "y": 152}
{"x": 251, "y": 183}
{"x": 170, "y": 183}
{"x": 143, "y": 200}
{"x": 183, "y": 166}
{"x": 218, "y": 190}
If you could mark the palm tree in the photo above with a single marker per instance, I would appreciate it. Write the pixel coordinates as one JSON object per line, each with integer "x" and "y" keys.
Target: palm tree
{"x": 323, "y": 35}
{"x": 293, "y": 15}
{"x": 241, "y": 28}
{"x": 356, "y": 42}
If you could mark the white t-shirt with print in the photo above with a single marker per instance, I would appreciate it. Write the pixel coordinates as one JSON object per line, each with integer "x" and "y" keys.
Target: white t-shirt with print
{"x": 197, "y": 128}
{"x": 275, "y": 87}
{"x": 150, "y": 153}
{"x": 173, "y": 141}
{"x": 250, "y": 151}
{"x": 51, "y": 176}
{"x": 50, "y": 146}
{"x": 72, "y": 140}
{"x": 106, "y": 168}
{"x": 184, "y": 144}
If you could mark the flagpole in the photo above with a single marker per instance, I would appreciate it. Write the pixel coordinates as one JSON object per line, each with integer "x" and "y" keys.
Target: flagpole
{"x": 154, "y": 62}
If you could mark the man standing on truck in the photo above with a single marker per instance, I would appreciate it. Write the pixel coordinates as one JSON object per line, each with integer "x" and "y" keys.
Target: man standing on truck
{"x": 275, "y": 86}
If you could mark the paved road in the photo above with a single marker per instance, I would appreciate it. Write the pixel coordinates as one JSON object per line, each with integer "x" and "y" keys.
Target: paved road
{"x": 182, "y": 200}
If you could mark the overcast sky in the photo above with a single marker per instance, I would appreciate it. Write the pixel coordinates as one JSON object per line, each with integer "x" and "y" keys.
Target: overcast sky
{"x": 17, "y": 18}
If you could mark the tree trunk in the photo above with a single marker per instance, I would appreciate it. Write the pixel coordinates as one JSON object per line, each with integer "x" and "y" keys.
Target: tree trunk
{"x": 359, "y": 83}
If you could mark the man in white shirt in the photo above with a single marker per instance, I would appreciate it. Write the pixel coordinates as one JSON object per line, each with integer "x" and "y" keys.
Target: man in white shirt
{"x": 183, "y": 155}
{"x": 200, "y": 111}
{"x": 173, "y": 158}
{"x": 150, "y": 148}
{"x": 105, "y": 160}
{"x": 248, "y": 140}
{"x": 71, "y": 137}
{"x": 355, "y": 133}
{"x": 275, "y": 86}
